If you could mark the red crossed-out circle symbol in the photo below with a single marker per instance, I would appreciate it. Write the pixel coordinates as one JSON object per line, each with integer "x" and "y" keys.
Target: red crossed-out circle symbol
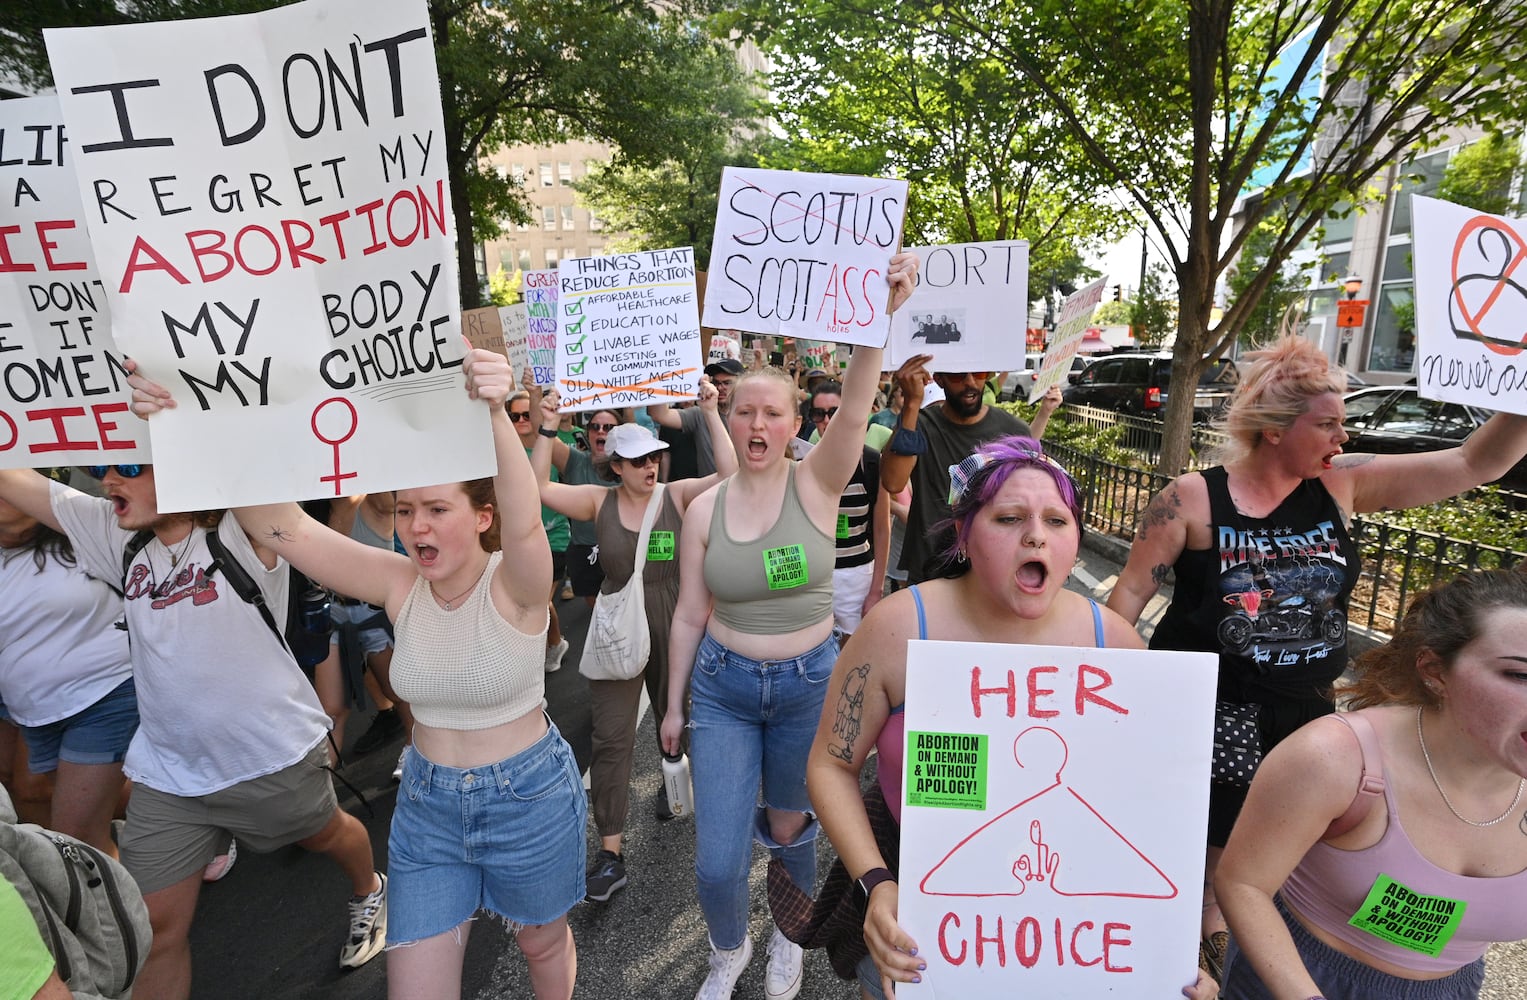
{"x": 1476, "y": 232}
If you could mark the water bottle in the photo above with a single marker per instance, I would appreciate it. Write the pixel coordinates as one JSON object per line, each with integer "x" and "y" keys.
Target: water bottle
{"x": 681, "y": 792}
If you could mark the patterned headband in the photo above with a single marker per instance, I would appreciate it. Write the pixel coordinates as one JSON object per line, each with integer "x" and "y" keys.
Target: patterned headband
{"x": 961, "y": 474}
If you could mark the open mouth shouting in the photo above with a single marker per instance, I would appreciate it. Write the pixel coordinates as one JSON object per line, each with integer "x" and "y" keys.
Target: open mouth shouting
{"x": 1325, "y": 463}
{"x": 757, "y": 447}
{"x": 1032, "y": 576}
{"x": 425, "y": 555}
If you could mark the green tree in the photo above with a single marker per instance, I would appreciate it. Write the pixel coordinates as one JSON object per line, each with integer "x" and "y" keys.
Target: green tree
{"x": 1114, "y": 312}
{"x": 1281, "y": 296}
{"x": 1154, "y": 310}
{"x": 504, "y": 287}
{"x": 1479, "y": 175}
{"x": 512, "y": 72}
{"x": 860, "y": 93}
{"x": 673, "y": 202}
{"x": 1202, "y": 115}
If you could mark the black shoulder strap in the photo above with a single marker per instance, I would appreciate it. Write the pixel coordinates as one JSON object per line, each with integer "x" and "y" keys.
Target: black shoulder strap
{"x": 130, "y": 552}
{"x": 242, "y": 583}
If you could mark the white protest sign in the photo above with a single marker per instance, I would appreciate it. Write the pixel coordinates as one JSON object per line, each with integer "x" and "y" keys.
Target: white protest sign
{"x": 630, "y": 331}
{"x": 516, "y": 324}
{"x": 970, "y": 308}
{"x": 804, "y": 255}
{"x": 1053, "y": 800}
{"x": 1075, "y": 313}
{"x": 1471, "y": 306}
{"x": 540, "y": 291}
{"x": 819, "y": 354}
{"x": 65, "y": 398}
{"x": 268, "y": 206}
{"x": 722, "y": 347}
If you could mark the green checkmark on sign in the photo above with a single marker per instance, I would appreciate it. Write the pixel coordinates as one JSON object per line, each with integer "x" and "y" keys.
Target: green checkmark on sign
{"x": 574, "y": 308}
{"x": 575, "y": 327}
{"x": 576, "y": 346}
{"x": 576, "y": 367}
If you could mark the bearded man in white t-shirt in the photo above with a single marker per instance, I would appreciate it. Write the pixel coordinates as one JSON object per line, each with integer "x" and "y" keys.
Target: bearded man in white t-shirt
{"x": 231, "y": 738}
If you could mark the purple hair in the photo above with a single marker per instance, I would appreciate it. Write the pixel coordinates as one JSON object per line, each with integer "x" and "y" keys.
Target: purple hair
{"x": 1002, "y": 457}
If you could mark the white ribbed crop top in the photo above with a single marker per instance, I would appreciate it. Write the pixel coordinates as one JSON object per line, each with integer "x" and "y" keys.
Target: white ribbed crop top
{"x": 466, "y": 668}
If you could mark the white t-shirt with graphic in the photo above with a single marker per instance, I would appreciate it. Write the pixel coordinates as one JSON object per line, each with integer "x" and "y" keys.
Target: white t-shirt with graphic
{"x": 220, "y": 700}
{"x": 60, "y": 649}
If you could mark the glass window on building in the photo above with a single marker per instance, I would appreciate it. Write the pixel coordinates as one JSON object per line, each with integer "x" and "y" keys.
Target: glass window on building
{"x": 567, "y": 216}
{"x": 1418, "y": 176}
{"x": 517, "y": 172}
{"x": 549, "y": 217}
{"x": 1339, "y": 224}
{"x": 524, "y": 260}
{"x": 594, "y": 222}
{"x": 565, "y": 174}
{"x": 551, "y": 256}
{"x": 1393, "y": 347}
{"x": 546, "y": 181}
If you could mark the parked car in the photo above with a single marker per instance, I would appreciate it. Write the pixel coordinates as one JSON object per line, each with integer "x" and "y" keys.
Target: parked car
{"x": 1397, "y": 420}
{"x": 1140, "y": 384}
{"x": 1019, "y": 384}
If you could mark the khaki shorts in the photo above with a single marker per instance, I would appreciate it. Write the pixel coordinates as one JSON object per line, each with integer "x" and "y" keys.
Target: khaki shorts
{"x": 170, "y": 837}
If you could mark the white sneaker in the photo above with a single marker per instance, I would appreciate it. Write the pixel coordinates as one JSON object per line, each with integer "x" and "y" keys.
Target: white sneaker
{"x": 783, "y": 980}
{"x": 725, "y": 969}
{"x": 368, "y": 927}
{"x": 554, "y": 656}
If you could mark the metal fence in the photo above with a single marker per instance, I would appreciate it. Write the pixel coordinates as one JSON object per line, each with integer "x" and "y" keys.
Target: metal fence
{"x": 1142, "y": 435}
{"x": 1398, "y": 562}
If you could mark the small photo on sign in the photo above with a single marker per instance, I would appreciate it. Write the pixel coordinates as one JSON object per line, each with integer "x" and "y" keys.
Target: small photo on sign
{"x": 944, "y": 327}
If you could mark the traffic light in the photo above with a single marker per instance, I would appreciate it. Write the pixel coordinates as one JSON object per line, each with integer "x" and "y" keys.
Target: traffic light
{"x": 1118, "y": 295}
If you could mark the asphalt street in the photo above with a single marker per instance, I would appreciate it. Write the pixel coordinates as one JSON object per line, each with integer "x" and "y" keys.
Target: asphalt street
{"x": 273, "y": 928}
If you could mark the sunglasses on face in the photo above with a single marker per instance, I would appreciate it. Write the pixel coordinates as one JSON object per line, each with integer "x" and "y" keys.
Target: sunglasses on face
{"x": 817, "y": 413}
{"x": 125, "y": 471}
{"x": 521, "y": 417}
{"x": 651, "y": 458}
{"x": 606, "y": 428}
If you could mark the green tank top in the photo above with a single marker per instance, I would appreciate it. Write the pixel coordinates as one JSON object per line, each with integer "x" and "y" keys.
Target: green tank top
{"x": 777, "y": 583}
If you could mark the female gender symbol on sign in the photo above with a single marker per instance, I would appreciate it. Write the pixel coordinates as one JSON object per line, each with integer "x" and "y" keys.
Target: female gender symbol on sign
{"x": 335, "y": 442}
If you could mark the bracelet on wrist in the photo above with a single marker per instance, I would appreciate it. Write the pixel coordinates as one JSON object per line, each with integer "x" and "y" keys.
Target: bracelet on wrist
{"x": 546, "y": 433}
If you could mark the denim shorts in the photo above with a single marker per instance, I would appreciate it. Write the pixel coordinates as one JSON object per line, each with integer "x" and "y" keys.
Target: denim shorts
{"x": 372, "y": 640}
{"x": 95, "y": 735}
{"x": 506, "y": 837}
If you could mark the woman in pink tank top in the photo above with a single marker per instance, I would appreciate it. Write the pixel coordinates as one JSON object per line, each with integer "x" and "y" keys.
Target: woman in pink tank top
{"x": 1399, "y": 889}
{"x": 1018, "y": 526}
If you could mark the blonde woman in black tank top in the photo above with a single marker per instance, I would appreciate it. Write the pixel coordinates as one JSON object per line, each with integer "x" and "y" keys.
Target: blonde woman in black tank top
{"x": 757, "y": 694}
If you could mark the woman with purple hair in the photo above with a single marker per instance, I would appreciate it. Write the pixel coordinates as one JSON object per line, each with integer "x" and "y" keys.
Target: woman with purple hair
{"x": 1017, "y": 522}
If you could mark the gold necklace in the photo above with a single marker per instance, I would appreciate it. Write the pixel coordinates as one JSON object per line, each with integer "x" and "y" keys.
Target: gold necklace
{"x": 1520, "y": 785}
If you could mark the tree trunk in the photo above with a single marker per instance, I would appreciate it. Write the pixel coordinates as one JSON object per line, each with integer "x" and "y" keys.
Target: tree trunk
{"x": 1195, "y": 300}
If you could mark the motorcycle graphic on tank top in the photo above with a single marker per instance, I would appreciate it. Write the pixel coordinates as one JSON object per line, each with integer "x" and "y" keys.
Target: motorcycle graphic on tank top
{"x": 1284, "y": 591}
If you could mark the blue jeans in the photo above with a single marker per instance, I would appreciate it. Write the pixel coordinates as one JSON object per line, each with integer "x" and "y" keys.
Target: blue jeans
{"x": 752, "y": 721}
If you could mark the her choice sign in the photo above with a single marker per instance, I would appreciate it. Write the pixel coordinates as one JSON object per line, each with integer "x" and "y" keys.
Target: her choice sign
{"x": 268, "y": 206}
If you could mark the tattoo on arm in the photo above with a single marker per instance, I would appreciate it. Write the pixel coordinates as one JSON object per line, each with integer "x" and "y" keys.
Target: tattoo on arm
{"x": 279, "y": 534}
{"x": 847, "y": 719}
{"x": 1523, "y": 825}
{"x": 1159, "y": 511}
{"x": 1159, "y": 572}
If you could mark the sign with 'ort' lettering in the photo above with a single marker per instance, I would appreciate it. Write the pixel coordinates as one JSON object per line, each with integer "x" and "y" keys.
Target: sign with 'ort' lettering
{"x": 970, "y": 309}
{"x": 1046, "y": 794}
{"x": 63, "y": 390}
{"x": 268, "y": 205}
{"x": 804, "y": 255}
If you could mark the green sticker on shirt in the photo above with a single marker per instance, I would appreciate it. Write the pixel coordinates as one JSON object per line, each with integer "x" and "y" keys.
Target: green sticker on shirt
{"x": 842, "y": 525}
{"x": 1399, "y": 915}
{"x": 785, "y": 567}
{"x": 660, "y": 546}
